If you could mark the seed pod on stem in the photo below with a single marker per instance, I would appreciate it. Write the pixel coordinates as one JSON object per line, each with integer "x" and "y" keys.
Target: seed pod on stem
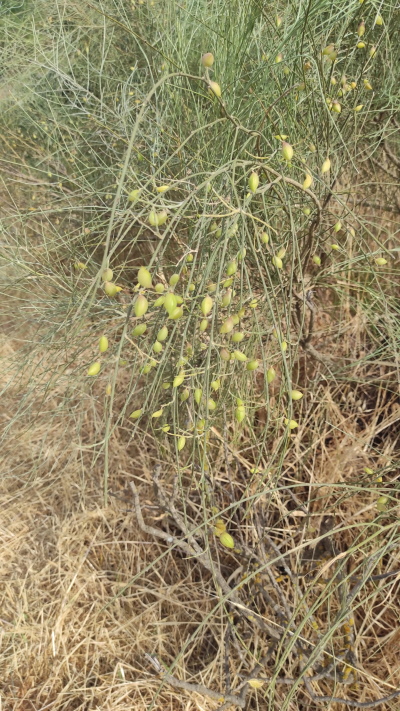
{"x": 207, "y": 60}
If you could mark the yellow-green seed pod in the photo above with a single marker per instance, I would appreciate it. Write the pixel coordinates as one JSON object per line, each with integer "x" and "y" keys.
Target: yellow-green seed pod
{"x": 220, "y": 527}
{"x": 369, "y": 471}
{"x": 192, "y": 287}
{"x": 367, "y": 85}
{"x": 277, "y": 262}
{"x": 178, "y": 380}
{"x": 238, "y": 355}
{"x": 103, "y": 344}
{"x": 184, "y": 395}
{"x": 264, "y": 237}
{"x": 146, "y": 369}
{"x": 162, "y": 188}
{"x": 278, "y": 21}
{"x": 239, "y": 401}
{"x": 110, "y": 288}
{"x": 337, "y": 227}
{"x": 162, "y": 335}
{"x": 231, "y": 268}
{"x": 284, "y": 346}
{"x": 170, "y": 302}
{"x": 162, "y": 217}
{"x": 380, "y": 261}
{"x": 287, "y": 151}
{"x": 379, "y": 20}
{"x": 333, "y": 81}
{"x": 136, "y": 414}
{"x": 358, "y": 108}
{"x": 225, "y": 355}
{"x": 328, "y": 50}
{"x": 281, "y": 253}
{"x": 107, "y": 275}
{"x": 203, "y": 325}
{"x": 94, "y": 369}
{"x": 271, "y": 375}
{"x": 189, "y": 258}
{"x": 372, "y": 52}
{"x": 292, "y": 424}
{"x": 227, "y": 540}
{"x": 166, "y": 386}
{"x": 139, "y": 330}
{"x": 326, "y": 165}
{"x": 153, "y": 219}
{"x": 174, "y": 280}
{"x": 207, "y": 60}
{"x": 181, "y": 443}
{"x": 165, "y": 428}
{"x": 197, "y": 395}
{"x": 227, "y": 326}
{"x": 227, "y": 283}
{"x": 159, "y": 302}
{"x": 381, "y": 503}
{"x": 211, "y": 404}
{"x": 133, "y": 195}
{"x": 307, "y": 211}
{"x": 254, "y": 182}
{"x": 336, "y": 107}
{"x": 159, "y": 288}
{"x": 240, "y": 413}
{"x": 361, "y": 29}
{"x": 296, "y": 395}
{"x": 215, "y": 385}
{"x": 307, "y": 182}
{"x": 144, "y": 278}
{"x": 157, "y": 413}
{"x": 279, "y": 58}
{"x": 206, "y": 305}
{"x": 176, "y": 314}
{"x": 157, "y": 347}
{"x": 335, "y": 247}
{"x": 317, "y": 260}
{"x": 179, "y": 300}
{"x": 141, "y": 305}
{"x": 200, "y": 425}
{"x": 252, "y": 365}
{"x": 81, "y": 266}
{"x": 237, "y": 337}
{"x": 232, "y": 230}
{"x": 227, "y": 298}
{"x": 214, "y": 89}
{"x": 255, "y": 683}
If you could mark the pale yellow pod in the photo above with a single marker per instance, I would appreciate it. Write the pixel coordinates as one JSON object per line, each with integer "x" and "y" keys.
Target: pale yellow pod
{"x": 94, "y": 369}
{"x": 103, "y": 344}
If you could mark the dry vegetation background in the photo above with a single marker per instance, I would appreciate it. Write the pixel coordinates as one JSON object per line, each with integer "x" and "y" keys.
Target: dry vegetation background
{"x": 89, "y": 597}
